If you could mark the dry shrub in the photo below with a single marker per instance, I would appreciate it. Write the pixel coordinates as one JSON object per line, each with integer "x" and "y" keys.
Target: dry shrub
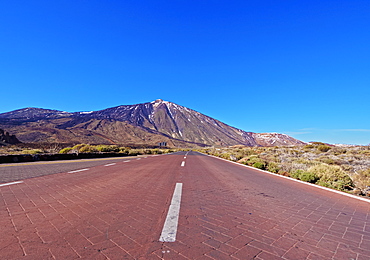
{"x": 362, "y": 180}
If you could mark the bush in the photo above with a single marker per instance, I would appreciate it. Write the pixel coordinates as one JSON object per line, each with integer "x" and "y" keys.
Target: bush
{"x": 77, "y": 147}
{"x": 259, "y": 165}
{"x": 133, "y": 152}
{"x": 107, "y": 148}
{"x": 66, "y": 150}
{"x": 157, "y": 151}
{"x": 362, "y": 179}
{"x": 273, "y": 167}
{"x": 327, "y": 160}
{"x": 87, "y": 149}
{"x": 308, "y": 177}
{"x": 32, "y": 151}
{"x": 305, "y": 176}
{"x": 323, "y": 148}
{"x": 331, "y": 176}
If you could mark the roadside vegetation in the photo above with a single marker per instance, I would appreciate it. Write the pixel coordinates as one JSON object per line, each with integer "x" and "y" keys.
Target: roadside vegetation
{"x": 342, "y": 168}
{"x": 86, "y": 148}
{"x": 80, "y": 148}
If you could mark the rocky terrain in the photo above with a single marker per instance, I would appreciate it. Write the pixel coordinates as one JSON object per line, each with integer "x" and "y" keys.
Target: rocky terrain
{"x": 6, "y": 138}
{"x": 148, "y": 123}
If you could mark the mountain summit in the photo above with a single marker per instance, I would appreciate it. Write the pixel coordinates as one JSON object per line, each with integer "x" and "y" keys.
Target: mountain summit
{"x": 147, "y": 123}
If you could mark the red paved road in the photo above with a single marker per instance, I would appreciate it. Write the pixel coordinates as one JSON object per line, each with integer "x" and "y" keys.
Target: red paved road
{"x": 227, "y": 212}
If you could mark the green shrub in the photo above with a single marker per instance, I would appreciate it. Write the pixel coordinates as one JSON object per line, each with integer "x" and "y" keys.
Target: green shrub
{"x": 77, "y": 147}
{"x": 295, "y": 174}
{"x": 124, "y": 150}
{"x": 87, "y": 149}
{"x": 304, "y": 176}
{"x": 157, "y": 151}
{"x": 331, "y": 176}
{"x": 66, "y": 150}
{"x": 273, "y": 167}
{"x": 107, "y": 148}
{"x": 133, "y": 152}
{"x": 308, "y": 177}
{"x": 259, "y": 165}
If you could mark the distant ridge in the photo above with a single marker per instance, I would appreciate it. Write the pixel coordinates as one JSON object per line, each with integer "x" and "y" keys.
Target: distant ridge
{"x": 146, "y": 123}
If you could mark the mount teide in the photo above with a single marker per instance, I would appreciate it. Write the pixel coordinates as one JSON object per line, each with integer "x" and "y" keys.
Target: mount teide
{"x": 141, "y": 124}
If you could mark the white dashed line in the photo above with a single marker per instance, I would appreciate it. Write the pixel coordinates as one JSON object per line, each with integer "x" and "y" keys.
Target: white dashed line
{"x": 126, "y": 161}
{"x": 10, "y": 183}
{"x": 78, "y": 170}
{"x": 110, "y": 164}
{"x": 183, "y": 164}
{"x": 170, "y": 225}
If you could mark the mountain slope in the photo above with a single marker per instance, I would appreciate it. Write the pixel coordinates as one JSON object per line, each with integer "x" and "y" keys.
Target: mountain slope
{"x": 147, "y": 123}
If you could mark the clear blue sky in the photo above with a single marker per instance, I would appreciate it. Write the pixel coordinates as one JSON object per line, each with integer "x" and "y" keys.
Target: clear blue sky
{"x": 295, "y": 67}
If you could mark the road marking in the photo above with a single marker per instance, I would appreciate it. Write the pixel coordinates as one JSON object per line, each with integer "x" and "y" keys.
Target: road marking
{"x": 126, "y": 161}
{"x": 183, "y": 163}
{"x": 138, "y": 159}
{"x": 56, "y": 162}
{"x": 10, "y": 183}
{"x": 170, "y": 225}
{"x": 185, "y": 157}
{"x": 78, "y": 170}
{"x": 110, "y": 164}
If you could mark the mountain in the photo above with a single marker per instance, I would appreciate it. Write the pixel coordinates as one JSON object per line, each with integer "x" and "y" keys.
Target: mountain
{"x": 147, "y": 123}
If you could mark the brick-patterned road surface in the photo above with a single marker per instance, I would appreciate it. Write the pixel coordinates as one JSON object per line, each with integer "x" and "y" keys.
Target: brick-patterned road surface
{"x": 227, "y": 212}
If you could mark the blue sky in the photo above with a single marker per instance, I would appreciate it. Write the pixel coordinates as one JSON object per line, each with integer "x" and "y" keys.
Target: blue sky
{"x": 295, "y": 67}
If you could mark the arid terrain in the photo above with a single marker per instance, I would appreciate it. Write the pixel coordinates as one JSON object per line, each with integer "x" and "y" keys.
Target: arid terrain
{"x": 342, "y": 168}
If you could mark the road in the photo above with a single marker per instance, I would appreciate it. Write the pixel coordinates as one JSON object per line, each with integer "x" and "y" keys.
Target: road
{"x": 117, "y": 209}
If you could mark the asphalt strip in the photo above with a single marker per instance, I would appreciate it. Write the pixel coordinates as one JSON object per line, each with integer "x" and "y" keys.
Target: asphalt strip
{"x": 170, "y": 225}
